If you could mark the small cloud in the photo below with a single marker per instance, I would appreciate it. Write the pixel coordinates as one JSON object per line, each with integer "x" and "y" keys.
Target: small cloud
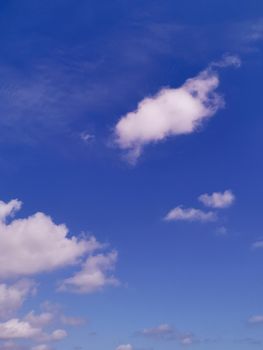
{"x": 190, "y": 214}
{"x": 58, "y": 334}
{"x": 218, "y": 199}
{"x": 87, "y": 137}
{"x": 221, "y": 231}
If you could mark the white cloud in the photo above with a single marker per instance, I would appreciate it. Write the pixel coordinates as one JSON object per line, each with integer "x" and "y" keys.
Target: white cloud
{"x": 94, "y": 275}
{"x": 256, "y": 319}
{"x": 13, "y": 296}
{"x": 125, "y": 347}
{"x": 171, "y": 112}
{"x": 189, "y": 214}
{"x": 31, "y": 245}
{"x": 31, "y": 327}
{"x": 218, "y": 199}
{"x": 17, "y": 329}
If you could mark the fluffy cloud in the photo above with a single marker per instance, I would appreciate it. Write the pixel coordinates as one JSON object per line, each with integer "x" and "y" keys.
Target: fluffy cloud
{"x": 31, "y": 245}
{"x": 124, "y": 347}
{"x": 189, "y": 214}
{"x": 17, "y": 329}
{"x": 167, "y": 332}
{"x": 13, "y": 296}
{"x": 256, "y": 319}
{"x": 31, "y": 327}
{"x": 171, "y": 112}
{"x": 218, "y": 199}
{"x": 94, "y": 275}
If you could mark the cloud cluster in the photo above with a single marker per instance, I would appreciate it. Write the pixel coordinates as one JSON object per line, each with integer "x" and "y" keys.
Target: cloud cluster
{"x": 33, "y": 245}
{"x": 29, "y": 246}
{"x": 171, "y": 112}
{"x": 216, "y": 200}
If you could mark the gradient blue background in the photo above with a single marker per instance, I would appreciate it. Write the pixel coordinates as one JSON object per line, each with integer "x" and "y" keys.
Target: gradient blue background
{"x": 73, "y": 66}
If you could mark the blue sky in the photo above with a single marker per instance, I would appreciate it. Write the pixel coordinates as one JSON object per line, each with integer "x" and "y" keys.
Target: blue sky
{"x": 131, "y": 175}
